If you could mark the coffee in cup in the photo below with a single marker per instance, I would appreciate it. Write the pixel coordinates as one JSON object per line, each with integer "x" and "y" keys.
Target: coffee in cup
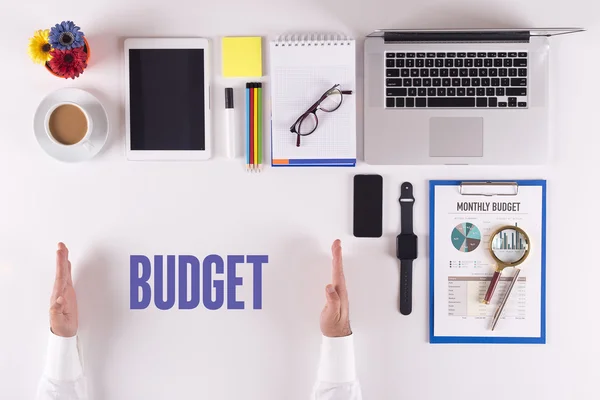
{"x": 68, "y": 124}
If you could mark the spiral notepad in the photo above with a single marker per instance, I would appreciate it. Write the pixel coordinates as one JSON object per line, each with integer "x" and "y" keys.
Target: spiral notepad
{"x": 303, "y": 67}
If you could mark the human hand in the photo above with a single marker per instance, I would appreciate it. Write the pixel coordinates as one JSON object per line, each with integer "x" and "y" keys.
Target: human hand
{"x": 335, "y": 317}
{"x": 63, "y": 303}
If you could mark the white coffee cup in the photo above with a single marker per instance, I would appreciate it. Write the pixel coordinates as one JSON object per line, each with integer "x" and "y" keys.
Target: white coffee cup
{"x": 85, "y": 139}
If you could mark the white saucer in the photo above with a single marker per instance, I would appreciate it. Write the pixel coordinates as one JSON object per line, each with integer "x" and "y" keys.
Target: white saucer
{"x": 77, "y": 152}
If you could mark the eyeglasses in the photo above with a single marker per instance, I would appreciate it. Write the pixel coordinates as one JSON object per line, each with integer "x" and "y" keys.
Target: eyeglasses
{"x": 308, "y": 122}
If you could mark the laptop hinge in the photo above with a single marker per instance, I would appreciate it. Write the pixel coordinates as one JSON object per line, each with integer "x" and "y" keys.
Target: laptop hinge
{"x": 453, "y": 37}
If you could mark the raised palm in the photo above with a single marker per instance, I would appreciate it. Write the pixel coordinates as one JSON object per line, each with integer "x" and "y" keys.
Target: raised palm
{"x": 335, "y": 318}
{"x": 63, "y": 302}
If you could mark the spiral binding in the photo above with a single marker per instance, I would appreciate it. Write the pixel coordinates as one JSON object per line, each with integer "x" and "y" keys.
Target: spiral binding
{"x": 312, "y": 39}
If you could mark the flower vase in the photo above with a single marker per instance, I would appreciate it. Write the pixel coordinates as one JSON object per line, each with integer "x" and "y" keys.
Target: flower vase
{"x": 86, "y": 49}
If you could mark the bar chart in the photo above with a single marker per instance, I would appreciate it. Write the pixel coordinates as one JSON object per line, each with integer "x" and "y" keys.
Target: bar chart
{"x": 509, "y": 239}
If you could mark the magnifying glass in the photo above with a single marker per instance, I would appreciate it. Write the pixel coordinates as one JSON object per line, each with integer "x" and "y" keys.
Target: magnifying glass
{"x": 509, "y": 246}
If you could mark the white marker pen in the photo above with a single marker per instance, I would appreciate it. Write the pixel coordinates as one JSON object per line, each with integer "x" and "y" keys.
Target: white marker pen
{"x": 231, "y": 135}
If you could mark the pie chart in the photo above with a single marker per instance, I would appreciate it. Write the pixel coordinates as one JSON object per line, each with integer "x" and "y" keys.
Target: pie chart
{"x": 466, "y": 237}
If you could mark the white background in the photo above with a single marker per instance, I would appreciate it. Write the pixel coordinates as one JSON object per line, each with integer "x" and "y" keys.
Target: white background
{"x": 109, "y": 208}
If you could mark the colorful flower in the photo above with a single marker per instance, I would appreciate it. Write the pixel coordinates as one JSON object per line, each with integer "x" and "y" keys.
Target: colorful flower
{"x": 39, "y": 47}
{"x": 66, "y": 36}
{"x": 68, "y": 63}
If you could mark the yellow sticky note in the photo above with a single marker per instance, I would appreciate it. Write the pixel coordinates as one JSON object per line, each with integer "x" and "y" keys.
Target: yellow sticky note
{"x": 242, "y": 56}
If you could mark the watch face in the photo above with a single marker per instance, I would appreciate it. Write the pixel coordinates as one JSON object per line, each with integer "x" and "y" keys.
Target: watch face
{"x": 406, "y": 247}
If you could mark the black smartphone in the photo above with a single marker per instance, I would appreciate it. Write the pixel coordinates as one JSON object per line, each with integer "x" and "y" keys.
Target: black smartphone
{"x": 368, "y": 205}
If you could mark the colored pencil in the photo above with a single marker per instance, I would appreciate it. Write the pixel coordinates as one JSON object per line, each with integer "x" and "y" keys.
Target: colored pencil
{"x": 260, "y": 124}
{"x": 254, "y": 89}
{"x": 255, "y": 154}
{"x": 247, "y": 126}
{"x": 254, "y": 126}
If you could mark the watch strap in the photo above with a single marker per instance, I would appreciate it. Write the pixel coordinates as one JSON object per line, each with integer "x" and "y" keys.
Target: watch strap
{"x": 406, "y": 271}
{"x": 407, "y": 200}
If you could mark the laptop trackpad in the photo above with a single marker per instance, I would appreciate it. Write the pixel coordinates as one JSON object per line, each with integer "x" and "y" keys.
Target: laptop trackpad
{"x": 456, "y": 137}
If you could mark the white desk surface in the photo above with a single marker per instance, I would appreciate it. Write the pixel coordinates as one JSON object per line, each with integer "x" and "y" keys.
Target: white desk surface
{"x": 109, "y": 208}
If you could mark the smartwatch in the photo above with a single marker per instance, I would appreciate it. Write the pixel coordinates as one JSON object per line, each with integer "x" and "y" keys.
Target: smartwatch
{"x": 406, "y": 247}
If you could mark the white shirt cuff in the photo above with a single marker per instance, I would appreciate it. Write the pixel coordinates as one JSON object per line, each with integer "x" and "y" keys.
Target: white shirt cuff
{"x": 62, "y": 361}
{"x": 337, "y": 363}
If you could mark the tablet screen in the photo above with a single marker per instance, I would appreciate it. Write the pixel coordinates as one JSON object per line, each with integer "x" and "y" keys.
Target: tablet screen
{"x": 167, "y": 99}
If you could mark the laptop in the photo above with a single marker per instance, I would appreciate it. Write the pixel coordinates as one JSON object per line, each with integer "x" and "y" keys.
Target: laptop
{"x": 457, "y": 96}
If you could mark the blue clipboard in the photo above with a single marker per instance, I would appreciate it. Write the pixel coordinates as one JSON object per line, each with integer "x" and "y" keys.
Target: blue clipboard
{"x": 479, "y": 339}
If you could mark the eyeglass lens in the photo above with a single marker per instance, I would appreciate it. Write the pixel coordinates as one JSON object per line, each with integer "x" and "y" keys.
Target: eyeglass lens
{"x": 332, "y": 102}
{"x": 309, "y": 123}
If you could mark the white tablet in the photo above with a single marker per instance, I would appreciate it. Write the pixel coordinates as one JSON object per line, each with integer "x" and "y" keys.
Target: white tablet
{"x": 167, "y": 99}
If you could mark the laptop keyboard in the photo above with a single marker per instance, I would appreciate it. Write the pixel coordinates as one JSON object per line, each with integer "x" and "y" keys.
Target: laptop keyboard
{"x": 456, "y": 80}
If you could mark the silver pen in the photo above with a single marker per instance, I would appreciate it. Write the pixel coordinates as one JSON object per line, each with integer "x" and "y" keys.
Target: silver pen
{"x": 498, "y": 312}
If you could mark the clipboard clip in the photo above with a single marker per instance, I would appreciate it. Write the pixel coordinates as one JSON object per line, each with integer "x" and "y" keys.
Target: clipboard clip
{"x": 488, "y": 188}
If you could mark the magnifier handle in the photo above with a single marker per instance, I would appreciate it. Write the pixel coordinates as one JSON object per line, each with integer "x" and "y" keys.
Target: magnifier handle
{"x": 492, "y": 287}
